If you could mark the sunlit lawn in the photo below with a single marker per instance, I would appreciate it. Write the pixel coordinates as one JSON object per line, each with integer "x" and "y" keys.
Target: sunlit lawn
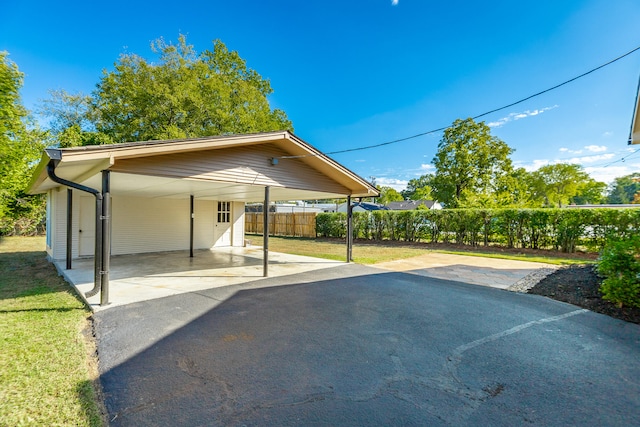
{"x": 375, "y": 252}
{"x": 45, "y": 374}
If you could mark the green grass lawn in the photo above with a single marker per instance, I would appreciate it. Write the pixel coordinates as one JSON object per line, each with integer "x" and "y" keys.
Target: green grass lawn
{"x": 374, "y": 252}
{"x": 46, "y": 366}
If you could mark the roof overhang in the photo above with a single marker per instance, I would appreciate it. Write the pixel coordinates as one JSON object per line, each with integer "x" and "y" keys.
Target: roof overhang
{"x": 634, "y": 135}
{"x": 83, "y": 165}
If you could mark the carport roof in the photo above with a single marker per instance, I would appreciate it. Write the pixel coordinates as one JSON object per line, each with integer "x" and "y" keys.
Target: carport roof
{"x": 83, "y": 165}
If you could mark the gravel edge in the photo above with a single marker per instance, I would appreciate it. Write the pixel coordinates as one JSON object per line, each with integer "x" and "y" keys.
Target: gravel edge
{"x": 530, "y": 280}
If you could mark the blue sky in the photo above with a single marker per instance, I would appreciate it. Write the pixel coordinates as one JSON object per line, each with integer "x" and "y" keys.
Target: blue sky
{"x": 361, "y": 72}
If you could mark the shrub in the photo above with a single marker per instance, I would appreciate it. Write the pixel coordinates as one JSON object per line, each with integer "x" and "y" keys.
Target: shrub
{"x": 619, "y": 264}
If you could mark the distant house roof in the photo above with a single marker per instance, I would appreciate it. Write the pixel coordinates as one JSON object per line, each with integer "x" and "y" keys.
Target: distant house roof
{"x": 408, "y": 205}
{"x": 362, "y": 206}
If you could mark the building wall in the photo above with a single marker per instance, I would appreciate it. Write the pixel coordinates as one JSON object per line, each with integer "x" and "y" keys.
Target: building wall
{"x": 57, "y": 223}
{"x": 237, "y": 232}
{"x": 138, "y": 224}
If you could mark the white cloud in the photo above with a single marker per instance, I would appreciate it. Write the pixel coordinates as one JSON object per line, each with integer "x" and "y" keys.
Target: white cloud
{"x": 595, "y": 148}
{"x": 396, "y": 184}
{"x": 567, "y": 150}
{"x": 537, "y": 164}
{"x": 518, "y": 116}
{"x": 607, "y": 134}
{"x": 591, "y": 159}
{"x": 425, "y": 167}
{"x": 603, "y": 172}
{"x": 609, "y": 173}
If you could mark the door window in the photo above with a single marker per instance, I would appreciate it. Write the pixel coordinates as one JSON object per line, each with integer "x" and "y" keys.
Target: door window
{"x": 224, "y": 212}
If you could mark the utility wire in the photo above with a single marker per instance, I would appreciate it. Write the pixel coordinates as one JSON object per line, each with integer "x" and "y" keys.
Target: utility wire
{"x": 622, "y": 159}
{"x": 395, "y": 141}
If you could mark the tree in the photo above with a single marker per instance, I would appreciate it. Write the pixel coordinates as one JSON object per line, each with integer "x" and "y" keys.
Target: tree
{"x": 590, "y": 192}
{"x": 388, "y": 194}
{"x": 185, "y": 94}
{"x": 624, "y": 189}
{"x": 469, "y": 163}
{"x": 418, "y": 188}
{"x": 21, "y": 144}
{"x": 72, "y": 119}
{"x": 562, "y": 183}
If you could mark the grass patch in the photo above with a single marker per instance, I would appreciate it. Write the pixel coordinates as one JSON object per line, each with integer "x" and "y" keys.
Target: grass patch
{"x": 46, "y": 377}
{"x": 372, "y": 253}
{"x": 335, "y": 250}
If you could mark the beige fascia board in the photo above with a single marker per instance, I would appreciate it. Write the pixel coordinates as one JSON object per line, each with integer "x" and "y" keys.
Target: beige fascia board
{"x": 39, "y": 175}
{"x": 149, "y": 148}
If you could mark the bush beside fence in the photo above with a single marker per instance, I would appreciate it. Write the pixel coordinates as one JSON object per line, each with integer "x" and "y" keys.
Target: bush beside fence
{"x": 564, "y": 230}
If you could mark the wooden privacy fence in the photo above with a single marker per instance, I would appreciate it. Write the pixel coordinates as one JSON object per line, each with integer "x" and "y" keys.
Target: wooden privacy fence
{"x": 298, "y": 224}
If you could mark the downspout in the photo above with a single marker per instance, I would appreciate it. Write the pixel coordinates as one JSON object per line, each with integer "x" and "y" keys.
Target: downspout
{"x": 55, "y": 157}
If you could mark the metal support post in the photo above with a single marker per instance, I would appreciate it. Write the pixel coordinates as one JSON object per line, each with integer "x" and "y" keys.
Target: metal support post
{"x": 106, "y": 237}
{"x": 349, "y": 230}
{"x": 191, "y": 227}
{"x": 265, "y": 233}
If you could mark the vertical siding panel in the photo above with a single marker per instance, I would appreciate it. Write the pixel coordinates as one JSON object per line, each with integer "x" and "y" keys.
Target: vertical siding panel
{"x": 237, "y": 232}
{"x": 203, "y": 224}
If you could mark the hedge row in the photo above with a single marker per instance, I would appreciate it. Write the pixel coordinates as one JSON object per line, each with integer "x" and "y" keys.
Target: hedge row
{"x": 560, "y": 229}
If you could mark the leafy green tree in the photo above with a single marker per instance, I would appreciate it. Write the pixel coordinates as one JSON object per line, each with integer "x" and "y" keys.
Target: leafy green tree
{"x": 21, "y": 144}
{"x": 590, "y": 192}
{"x": 184, "y": 94}
{"x": 470, "y": 163}
{"x": 388, "y": 194}
{"x": 562, "y": 183}
{"x": 72, "y": 119}
{"x": 418, "y": 188}
{"x": 624, "y": 189}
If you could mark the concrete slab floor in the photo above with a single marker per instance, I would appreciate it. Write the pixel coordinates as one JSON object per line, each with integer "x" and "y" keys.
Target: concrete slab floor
{"x": 141, "y": 277}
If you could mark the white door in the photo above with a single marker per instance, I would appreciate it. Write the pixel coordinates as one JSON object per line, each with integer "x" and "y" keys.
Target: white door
{"x": 222, "y": 224}
{"x": 87, "y": 226}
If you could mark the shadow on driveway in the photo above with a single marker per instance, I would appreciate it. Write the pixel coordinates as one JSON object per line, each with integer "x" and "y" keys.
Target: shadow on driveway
{"x": 357, "y": 346}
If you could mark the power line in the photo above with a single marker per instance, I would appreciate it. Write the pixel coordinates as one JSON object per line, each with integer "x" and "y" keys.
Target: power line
{"x": 622, "y": 159}
{"x": 395, "y": 141}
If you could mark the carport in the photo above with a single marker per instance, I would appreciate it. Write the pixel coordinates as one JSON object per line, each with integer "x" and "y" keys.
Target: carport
{"x": 177, "y": 195}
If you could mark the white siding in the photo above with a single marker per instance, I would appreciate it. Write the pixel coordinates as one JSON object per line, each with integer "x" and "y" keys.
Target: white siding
{"x": 156, "y": 225}
{"x": 243, "y": 165}
{"x": 237, "y": 231}
{"x": 204, "y": 211}
{"x": 149, "y": 225}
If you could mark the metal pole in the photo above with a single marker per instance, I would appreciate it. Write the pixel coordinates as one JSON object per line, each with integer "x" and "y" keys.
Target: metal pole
{"x": 97, "y": 261}
{"x": 265, "y": 233}
{"x": 106, "y": 237}
{"x": 191, "y": 228}
{"x": 69, "y": 227}
{"x": 349, "y": 229}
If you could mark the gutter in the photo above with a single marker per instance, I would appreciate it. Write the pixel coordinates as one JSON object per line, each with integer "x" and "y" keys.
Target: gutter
{"x": 101, "y": 253}
{"x": 634, "y": 118}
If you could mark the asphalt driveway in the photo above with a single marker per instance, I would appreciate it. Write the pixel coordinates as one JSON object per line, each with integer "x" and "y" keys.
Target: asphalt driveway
{"x": 356, "y": 345}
